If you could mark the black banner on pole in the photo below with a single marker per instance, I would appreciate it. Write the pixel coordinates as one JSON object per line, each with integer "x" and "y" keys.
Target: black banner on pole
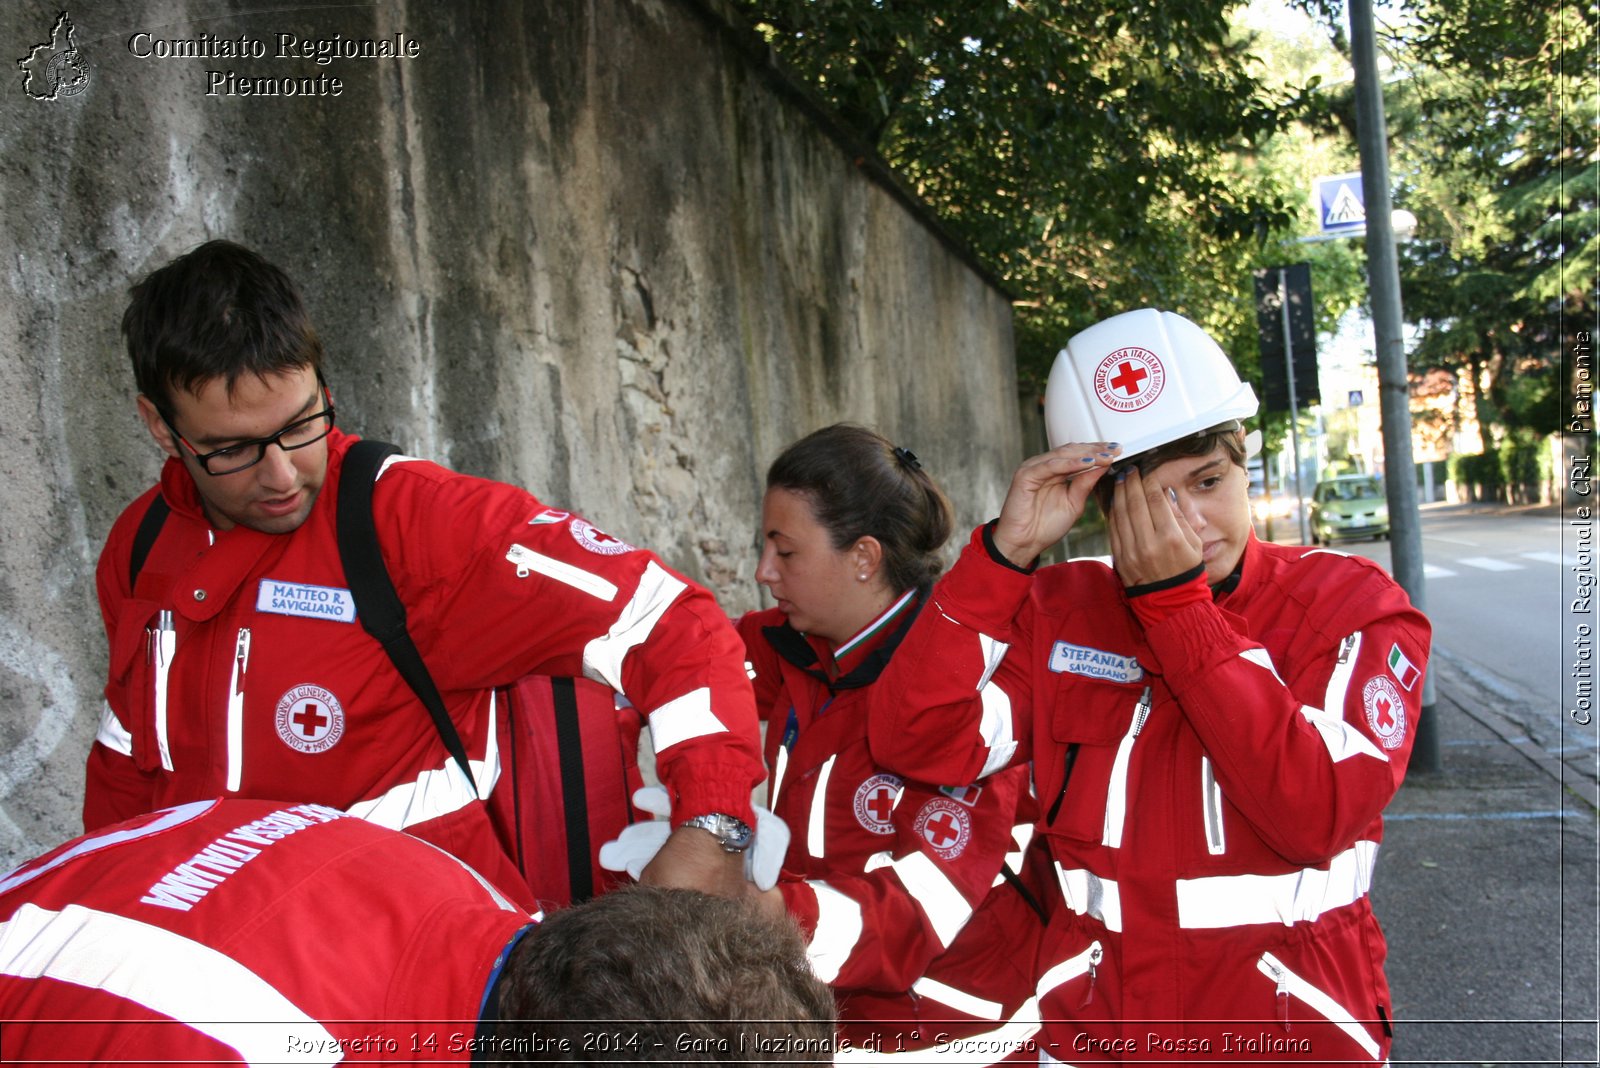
{"x": 1302, "y": 333}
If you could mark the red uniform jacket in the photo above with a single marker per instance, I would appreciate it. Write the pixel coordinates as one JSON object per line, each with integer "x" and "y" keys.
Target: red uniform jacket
{"x": 882, "y": 873}
{"x": 246, "y": 932}
{"x": 266, "y": 686}
{"x": 1210, "y": 779}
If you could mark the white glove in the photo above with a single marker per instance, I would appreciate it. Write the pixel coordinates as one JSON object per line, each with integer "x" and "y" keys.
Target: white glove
{"x": 764, "y": 859}
{"x": 638, "y": 843}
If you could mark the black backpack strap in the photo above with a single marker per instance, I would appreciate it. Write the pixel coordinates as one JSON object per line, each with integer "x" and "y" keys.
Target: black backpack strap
{"x": 144, "y": 538}
{"x": 574, "y": 798}
{"x": 377, "y": 604}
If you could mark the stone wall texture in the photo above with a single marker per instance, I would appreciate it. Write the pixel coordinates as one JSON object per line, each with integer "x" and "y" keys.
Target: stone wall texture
{"x": 599, "y": 248}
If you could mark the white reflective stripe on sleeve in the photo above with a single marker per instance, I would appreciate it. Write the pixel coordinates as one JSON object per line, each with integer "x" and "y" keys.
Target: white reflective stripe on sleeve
{"x": 994, "y": 651}
{"x": 947, "y": 910}
{"x": 816, "y": 821}
{"x": 112, "y": 734}
{"x": 1298, "y": 987}
{"x": 168, "y": 974}
{"x": 1343, "y": 669}
{"x": 1211, "y": 806}
{"x": 838, "y": 931}
{"x": 682, "y": 718}
{"x": 1089, "y": 895}
{"x": 1294, "y": 897}
{"x": 1342, "y": 739}
{"x": 995, "y": 728}
{"x": 602, "y": 657}
{"x": 1261, "y": 658}
{"x": 959, "y": 1000}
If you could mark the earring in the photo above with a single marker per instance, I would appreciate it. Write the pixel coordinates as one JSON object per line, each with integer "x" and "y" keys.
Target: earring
{"x": 861, "y": 577}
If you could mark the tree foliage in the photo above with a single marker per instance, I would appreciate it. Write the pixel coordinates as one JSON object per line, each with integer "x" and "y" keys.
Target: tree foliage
{"x": 1492, "y": 120}
{"x": 1096, "y": 154}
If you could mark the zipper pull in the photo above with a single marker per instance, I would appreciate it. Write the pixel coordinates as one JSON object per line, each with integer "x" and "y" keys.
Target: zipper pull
{"x": 1096, "y": 955}
{"x": 1141, "y": 712}
{"x": 1280, "y": 975}
{"x": 1345, "y": 646}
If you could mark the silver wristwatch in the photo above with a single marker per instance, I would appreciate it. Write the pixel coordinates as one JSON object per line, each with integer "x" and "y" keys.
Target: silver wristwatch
{"x": 734, "y": 834}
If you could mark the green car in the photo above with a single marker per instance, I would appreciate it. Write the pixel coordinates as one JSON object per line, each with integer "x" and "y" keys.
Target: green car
{"x": 1349, "y": 507}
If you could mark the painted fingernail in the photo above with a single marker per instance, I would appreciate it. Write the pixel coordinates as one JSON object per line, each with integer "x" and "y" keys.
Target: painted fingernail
{"x": 1113, "y": 444}
{"x": 1121, "y": 475}
{"x": 1107, "y": 455}
{"x": 1172, "y": 495}
{"x": 1088, "y": 459}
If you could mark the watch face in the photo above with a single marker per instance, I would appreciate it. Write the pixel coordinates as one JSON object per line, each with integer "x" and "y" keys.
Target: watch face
{"x": 736, "y": 834}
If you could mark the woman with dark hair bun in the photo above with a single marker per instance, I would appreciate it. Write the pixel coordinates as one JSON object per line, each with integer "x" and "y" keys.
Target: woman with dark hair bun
{"x": 882, "y": 873}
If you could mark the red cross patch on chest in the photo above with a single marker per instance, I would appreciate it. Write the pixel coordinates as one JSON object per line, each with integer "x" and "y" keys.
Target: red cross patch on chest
{"x": 310, "y": 719}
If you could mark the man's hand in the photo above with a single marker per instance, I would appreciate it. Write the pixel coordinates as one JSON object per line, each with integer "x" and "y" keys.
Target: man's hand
{"x": 1047, "y": 496}
{"x": 693, "y": 858}
{"x": 1150, "y": 538}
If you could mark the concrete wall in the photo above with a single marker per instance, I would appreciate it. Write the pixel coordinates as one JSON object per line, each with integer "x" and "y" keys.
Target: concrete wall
{"x": 590, "y": 247}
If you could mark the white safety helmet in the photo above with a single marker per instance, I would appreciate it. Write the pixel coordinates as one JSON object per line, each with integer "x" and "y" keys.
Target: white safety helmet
{"x": 1142, "y": 379}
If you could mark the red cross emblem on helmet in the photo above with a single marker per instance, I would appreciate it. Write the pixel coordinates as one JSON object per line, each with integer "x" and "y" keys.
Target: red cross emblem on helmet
{"x": 1129, "y": 379}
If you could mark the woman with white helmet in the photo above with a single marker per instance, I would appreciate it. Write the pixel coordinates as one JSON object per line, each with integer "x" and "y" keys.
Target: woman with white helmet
{"x": 1215, "y": 723}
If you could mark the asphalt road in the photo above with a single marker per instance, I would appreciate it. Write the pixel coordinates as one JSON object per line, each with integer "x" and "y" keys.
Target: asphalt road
{"x": 1487, "y": 881}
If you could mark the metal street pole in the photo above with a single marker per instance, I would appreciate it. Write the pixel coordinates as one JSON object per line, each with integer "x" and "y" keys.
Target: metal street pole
{"x": 1294, "y": 404}
{"x": 1394, "y": 393}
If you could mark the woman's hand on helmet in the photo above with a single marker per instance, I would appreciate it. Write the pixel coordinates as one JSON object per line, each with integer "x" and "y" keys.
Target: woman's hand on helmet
{"x": 1151, "y": 541}
{"x": 1047, "y": 496}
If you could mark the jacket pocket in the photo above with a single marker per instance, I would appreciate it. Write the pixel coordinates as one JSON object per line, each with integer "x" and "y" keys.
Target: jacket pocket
{"x": 1085, "y": 794}
{"x": 1293, "y": 987}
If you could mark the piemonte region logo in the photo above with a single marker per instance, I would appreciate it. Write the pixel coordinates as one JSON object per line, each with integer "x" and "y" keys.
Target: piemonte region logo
{"x": 55, "y": 69}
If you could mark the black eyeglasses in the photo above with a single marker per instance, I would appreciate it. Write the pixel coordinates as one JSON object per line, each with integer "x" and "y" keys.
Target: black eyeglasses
{"x": 236, "y": 458}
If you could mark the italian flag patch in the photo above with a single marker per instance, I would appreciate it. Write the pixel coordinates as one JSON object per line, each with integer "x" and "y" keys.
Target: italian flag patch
{"x": 1404, "y": 671}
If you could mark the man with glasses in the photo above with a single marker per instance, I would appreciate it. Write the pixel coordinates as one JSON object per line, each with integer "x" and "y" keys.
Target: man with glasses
{"x": 238, "y": 667}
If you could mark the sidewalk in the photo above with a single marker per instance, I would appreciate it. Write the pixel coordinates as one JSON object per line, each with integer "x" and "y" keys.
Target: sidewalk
{"x": 1486, "y": 884}
{"x": 1487, "y": 892}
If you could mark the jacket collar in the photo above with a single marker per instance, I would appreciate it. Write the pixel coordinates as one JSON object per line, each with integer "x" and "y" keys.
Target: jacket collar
{"x": 863, "y": 657}
{"x": 183, "y": 496}
{"x": 1246, "y": 575}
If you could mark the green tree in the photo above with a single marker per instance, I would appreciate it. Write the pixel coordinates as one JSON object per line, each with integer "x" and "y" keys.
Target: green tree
{"x": 1492, "y": 121}
{"x": 1096, "y": 154}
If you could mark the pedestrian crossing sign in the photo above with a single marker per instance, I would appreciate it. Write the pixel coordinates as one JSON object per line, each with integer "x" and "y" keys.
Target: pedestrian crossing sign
{"x": 1341, "y": 205}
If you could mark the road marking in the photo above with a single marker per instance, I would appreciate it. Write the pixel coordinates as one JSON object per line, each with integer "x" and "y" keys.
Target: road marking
{"x": 1551, "y": 558}
{"x": 1548, "y": 815}
{"x": 1435, "y": 571}
{"x": 1452, "y": 541}
{"x": 1489, "y": 563}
